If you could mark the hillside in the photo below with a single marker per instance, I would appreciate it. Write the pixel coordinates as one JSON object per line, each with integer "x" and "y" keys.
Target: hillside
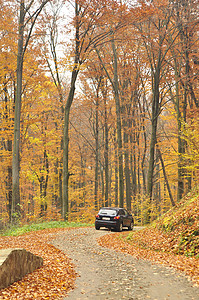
{"x": 181, "y": 228}
{"x": 177, "y": 231}
{"x": 173, "y": 239}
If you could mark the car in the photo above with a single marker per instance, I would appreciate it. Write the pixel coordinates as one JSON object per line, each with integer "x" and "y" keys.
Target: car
{"x": 114, "y": 218}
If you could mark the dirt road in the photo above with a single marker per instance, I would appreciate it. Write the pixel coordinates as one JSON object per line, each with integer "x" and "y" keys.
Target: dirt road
{"x": 108, "y": 274}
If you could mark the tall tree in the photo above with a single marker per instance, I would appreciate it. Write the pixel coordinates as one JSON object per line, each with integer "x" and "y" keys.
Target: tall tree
{"x": 52, "y": 42}
{"x": 186, "y": 21}
{"x": 115, "y": 85}
{"x": 87, "y": 21}
{"x": 156, "y": 52}
{"x": 75, "y": 71}
{"x": 22, "y": 46}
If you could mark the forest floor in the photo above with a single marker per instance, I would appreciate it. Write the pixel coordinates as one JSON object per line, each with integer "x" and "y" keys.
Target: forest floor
{"x": 78, "y": 264}
{"x": 53, "y": 279}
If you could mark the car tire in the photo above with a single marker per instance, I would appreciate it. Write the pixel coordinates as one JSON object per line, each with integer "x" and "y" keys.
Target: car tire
{"x": 131, "y": 226}
{"x": 97, "y": 227}
{"x": 119, "y": 227}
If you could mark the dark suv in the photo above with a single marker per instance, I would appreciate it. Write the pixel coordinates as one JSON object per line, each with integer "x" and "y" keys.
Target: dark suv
{"x": 114, "y": 217}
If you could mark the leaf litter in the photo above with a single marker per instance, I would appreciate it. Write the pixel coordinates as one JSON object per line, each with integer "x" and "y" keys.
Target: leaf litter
{"x": 53, "y": 280}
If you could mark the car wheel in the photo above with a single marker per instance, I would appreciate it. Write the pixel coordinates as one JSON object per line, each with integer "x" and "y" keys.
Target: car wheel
{"x": 131, "y": 226}
{"x": 119, "y": 227}
{"x": 97, "y": 227}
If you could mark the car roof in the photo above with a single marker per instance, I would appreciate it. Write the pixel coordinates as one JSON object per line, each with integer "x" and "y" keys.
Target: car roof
{"x": 117, "y": 208}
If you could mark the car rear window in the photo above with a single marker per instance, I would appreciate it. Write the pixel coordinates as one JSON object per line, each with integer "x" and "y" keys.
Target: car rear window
{"x": 110, "y": 212}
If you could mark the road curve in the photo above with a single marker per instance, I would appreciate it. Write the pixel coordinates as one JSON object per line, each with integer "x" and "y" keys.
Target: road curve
{"x": 108, "y": 274}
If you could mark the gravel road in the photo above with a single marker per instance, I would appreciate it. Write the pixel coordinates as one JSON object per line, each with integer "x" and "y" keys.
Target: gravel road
{"x": 108, "y": 274}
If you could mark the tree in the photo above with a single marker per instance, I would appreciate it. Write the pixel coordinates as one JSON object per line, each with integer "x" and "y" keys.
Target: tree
{"x": 75, "y": 71}
{"x": 22, "y": 46}
{"x": 154, "y": 42}
{"x": 87, "y": 36}
{"x": 115, "y": 85}
{"x": 51, "y": 44}
{"x": 7, "y": 96}
{"x": 136, "y": 69}
{"x": 186, "y": 22}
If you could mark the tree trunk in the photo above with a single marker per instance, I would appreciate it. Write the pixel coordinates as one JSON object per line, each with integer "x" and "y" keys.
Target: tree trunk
{"x": 67, "y": 114}
{"x": 143, "y": 161}
{"x": 66, "y": 147}
{"x": 165, "y": 177}
{"x": 138, "y": 164}
{"x": 119, "y": 127}
{"x": 133, "y": 165}
{"x": 16, "y": 145}
{"x": 127, "y": 178}
{"x": 9, "y": 149}
{"x": 154, "y": 121}
{"x": 15, "y": 210}
{"x": 116, "y": 171}
{"x": 96, "y": 150}
{"x": 60, "y": 174}
{"x": 65, "y": 164}
{"x": 143, "y": 128}
{"x": 101, "y": 201}
{"x": 126, "y": 167}
{"x": 106, "y": 153}
{"x": 115, "y": 86}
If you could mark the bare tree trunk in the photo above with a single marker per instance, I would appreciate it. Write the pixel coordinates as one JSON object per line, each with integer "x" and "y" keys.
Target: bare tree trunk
{"x": 16, "y": 145}
{"x": 116, "y": 171}
{"x": 67, "y": 114}
{"x": 133, "y": 165}
{"x": 9, "y": 149}
{"x": 101, "y": 201}
{"x": 115, "y": 86}
{"x": 96, "y": 149}
{"x": 106, "y": 153}
{"x": 15, "y": 210}
{"x": 143, "y": 128}
{"x": 165, "y": 177}
{"x": 65, "y": 164}
{"x": 143, "y": 161}
{"x": 154, "y": 121}
{"x": 119, "y": 127}
{"x": 183, "y": 17}
{"x": 66, "y": 173}
{"x": 127, "y": 163}
{"x": 53, "y": 33}
{"x": 127, "y": 174}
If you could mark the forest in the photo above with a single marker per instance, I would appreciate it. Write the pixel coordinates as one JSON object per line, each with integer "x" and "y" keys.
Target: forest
{"x": 99, "y": 107}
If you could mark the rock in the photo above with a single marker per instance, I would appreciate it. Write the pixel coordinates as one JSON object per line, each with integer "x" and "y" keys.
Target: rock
{"x": 15, "y": 264}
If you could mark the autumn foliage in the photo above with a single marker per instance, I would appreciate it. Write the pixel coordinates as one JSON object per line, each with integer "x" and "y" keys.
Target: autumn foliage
{"x": 133, "y": 127}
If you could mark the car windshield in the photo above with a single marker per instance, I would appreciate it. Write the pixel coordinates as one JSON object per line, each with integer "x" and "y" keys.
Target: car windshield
{"x": 106, "y": 211}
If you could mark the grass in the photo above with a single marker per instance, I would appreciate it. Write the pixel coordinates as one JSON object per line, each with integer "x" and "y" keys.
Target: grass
{"x": 20, "y": 230}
